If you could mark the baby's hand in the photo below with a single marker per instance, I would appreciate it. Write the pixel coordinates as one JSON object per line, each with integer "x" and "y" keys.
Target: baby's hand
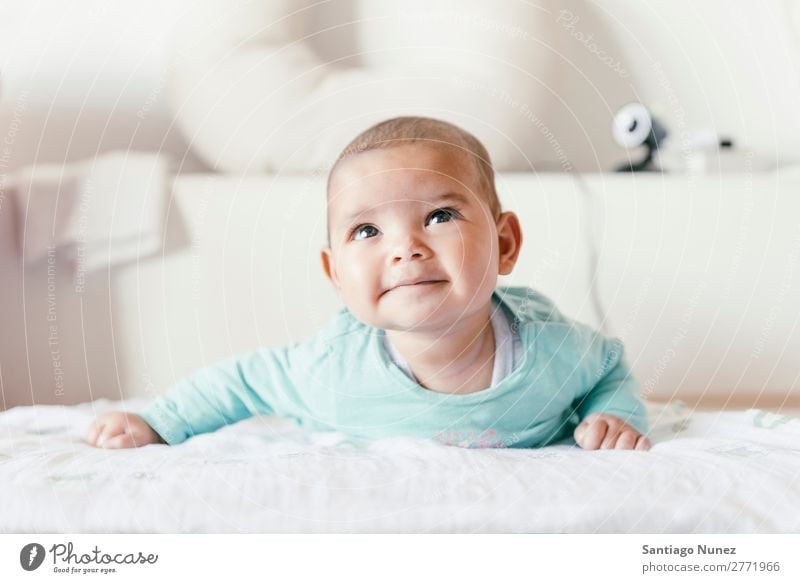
{"x": 117, "y": 430}
{"x": 604, "y": 431}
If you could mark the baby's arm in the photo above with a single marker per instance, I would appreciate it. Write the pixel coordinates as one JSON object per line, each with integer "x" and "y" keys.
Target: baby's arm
{"x": 218, "y": 395}
{"x": 612, "y": 415}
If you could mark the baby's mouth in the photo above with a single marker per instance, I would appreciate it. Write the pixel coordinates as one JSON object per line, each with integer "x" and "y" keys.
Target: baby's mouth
{"x": 415, "y": 284}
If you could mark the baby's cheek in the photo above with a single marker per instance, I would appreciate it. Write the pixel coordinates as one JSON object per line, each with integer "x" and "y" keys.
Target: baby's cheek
{"x": 359, "y": 275}
{"x": 482, "y": 264}
{"x": 355, "y": 292}
{"x": 488, "y": 249}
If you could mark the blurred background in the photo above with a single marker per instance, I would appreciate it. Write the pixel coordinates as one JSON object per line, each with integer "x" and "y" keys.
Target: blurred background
{"x": 155, "y": 75}
{"x": 162, "y": 163}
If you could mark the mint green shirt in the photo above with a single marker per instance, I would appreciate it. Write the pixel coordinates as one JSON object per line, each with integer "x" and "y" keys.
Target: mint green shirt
{"x": 342, "y": 379}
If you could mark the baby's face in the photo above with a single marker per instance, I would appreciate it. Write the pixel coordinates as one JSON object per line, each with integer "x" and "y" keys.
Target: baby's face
{"x": 413, "y": 244}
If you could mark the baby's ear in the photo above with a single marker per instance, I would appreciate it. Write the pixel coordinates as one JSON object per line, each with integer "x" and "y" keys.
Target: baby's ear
{"x": 329, "y": 267}
{"x": 509, "y": 240}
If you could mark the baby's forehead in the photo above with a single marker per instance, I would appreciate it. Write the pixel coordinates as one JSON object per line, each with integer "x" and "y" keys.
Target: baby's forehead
{"x": 419, "y": 163}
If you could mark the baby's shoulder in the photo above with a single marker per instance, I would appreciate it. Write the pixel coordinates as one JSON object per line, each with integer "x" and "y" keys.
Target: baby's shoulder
{"x": 346, "y": 335}
{"x": 341, "y": 325}
{"x": 529, "y": 305}
{"x": 327, "y": 347}
{"x": 548, "y": 326}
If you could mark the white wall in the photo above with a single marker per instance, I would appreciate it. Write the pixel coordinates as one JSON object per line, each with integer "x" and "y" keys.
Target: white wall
{"x": 92, "y": 73}
{"x": 88, "y": 76}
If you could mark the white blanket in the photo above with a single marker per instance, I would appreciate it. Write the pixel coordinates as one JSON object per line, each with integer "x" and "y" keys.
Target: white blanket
{"x": 707, "y": 472}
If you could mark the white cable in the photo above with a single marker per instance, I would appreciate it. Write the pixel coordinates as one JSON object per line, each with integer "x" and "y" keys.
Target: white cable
{"x": 587, "y": 209}
{"x": 594, "y": 256}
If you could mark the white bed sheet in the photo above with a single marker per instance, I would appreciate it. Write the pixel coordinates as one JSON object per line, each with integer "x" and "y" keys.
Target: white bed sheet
{"x": 707, "y": 472}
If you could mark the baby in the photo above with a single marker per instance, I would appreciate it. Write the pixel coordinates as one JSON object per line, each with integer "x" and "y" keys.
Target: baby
{"x": 427, "y": 345}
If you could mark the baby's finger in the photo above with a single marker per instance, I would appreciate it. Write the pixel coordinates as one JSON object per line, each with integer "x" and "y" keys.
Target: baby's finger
{"x": 580, "y": 430}
{"x": 594, "y": 434}
{"x": 110, "y": 431}
{"x": 121, "y": 441}
{"x": 643, "y": 443}
{"x": 94, "y": 432}
{"x": 627, "y": 439}
{"x": 612, "y": 434}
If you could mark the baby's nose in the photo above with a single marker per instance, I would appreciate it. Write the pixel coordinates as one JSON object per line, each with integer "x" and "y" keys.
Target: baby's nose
{"x": 410, "y": 248}
{"x": 399, "y": 257}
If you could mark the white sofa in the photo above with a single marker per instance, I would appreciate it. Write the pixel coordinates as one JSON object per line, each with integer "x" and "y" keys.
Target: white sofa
{"x": 697, "y": 274}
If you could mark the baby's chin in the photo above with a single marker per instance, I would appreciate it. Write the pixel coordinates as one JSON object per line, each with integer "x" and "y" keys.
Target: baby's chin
{"x": 403, "y": 323}
{"x": 440, "y": 320}
{"x": 415, "y": 311}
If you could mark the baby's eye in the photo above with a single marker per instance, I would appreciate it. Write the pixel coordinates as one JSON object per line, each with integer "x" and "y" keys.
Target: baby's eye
{"x": 364, "y": 232}
{"x": 443, "y": 215}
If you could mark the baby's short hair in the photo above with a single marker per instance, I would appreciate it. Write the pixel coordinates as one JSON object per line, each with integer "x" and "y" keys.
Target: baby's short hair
{"x": 400, "y": 131}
